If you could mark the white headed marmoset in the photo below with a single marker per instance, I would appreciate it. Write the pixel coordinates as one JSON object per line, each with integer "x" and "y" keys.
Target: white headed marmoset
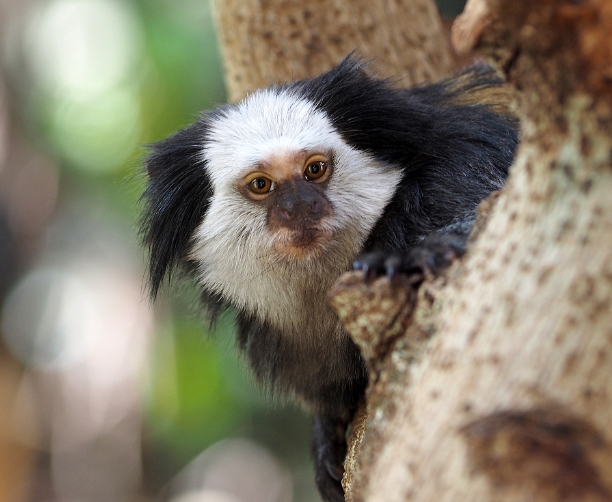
{"x": 268, "y": 201}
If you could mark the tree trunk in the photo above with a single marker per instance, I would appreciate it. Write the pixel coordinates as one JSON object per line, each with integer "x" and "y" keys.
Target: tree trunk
{"x": 271, "y": 41}
{"x": 512, "y": 398}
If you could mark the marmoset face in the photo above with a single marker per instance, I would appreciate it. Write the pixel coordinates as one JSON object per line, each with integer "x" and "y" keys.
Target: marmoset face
{"x": 283, "y": 175}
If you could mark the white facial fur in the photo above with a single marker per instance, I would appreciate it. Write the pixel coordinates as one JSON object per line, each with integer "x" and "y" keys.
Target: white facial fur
{"x": 234, "y": 246}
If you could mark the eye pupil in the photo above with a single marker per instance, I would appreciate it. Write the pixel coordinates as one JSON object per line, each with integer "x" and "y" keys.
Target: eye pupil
{"x": 314, "y": 168}
{"x": 260, "y": 183}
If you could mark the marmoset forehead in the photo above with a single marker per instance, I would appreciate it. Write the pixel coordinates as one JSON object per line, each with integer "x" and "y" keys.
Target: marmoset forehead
{"x": 267, "y": 123}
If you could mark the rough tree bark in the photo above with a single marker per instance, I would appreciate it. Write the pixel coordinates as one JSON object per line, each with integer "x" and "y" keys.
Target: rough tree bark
{"x": 271, "y": 41}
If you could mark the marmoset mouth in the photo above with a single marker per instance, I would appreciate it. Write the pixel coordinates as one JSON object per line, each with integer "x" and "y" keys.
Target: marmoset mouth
{"x": 299, "y": 244}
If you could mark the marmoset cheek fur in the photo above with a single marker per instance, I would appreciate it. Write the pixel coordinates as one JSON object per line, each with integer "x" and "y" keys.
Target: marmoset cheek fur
{"x": 267, "y": 202}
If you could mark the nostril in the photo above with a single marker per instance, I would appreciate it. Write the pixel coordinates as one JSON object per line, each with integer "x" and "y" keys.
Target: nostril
{"x": 314, "y": 207}
{"x": 286, "y": 207}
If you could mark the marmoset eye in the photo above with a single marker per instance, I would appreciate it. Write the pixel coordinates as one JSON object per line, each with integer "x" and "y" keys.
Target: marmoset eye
{"x": 316, "y": 168}
{"x": 260, "y": 186}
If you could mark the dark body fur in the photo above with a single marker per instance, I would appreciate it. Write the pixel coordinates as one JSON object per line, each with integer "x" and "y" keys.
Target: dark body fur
{"x": 452, "y": 152}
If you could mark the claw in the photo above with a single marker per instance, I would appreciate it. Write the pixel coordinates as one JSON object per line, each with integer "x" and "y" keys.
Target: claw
{"x": 392, "y": 266}
{"x": 432, "y": 255}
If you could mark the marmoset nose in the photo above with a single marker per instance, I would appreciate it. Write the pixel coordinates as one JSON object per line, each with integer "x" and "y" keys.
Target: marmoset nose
{"x": 300, "y": 202}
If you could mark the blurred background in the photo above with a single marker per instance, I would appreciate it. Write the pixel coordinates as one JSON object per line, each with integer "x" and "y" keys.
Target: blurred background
{"x": 103, "y": 398}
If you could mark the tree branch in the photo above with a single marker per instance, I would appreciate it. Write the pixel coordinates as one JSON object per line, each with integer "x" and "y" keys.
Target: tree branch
{"x": 272, "y": 41}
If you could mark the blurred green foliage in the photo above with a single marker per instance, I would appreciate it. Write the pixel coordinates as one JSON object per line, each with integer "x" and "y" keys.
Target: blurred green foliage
{"x": 186, "y": 74}
{"x": 450, "y": 8}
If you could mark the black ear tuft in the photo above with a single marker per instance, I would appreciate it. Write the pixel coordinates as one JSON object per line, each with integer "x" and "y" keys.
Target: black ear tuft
{"x": 176, "y": 199}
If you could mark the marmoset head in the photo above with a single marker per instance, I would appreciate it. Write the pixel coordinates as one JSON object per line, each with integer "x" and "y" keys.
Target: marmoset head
{"x": 277, "y": 161}
{"x": 267, "y": 186}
